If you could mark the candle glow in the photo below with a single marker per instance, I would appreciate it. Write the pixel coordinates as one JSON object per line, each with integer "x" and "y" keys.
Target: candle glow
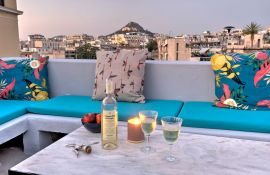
{"x": 134, "y": 121}
{"x": 135, "y": 134}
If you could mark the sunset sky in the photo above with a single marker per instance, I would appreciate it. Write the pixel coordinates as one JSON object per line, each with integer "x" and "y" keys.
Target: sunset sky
{"x": 101, "y": 17}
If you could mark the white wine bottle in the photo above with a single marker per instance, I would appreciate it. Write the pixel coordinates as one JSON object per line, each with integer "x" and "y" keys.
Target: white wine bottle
{"x": 109, "y": 124}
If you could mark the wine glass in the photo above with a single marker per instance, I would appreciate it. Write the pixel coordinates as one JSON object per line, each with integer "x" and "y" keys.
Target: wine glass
{"x": 148, "y": 123}
{"x": 171, "y": 130}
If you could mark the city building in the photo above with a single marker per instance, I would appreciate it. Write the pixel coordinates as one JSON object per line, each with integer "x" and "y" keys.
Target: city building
{"x": 205, "y": 40}
{"x": 9, "y": 32}
{"x": 74, "y": 41}
{"x": 47, "y": 47}
{"x": 243, "y": 43}
{"x": 132, "y": 39}
{"x": 173, "y": 49}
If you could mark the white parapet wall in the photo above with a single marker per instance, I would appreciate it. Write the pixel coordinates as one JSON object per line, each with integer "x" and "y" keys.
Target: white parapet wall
{"x": 176, "y": 80}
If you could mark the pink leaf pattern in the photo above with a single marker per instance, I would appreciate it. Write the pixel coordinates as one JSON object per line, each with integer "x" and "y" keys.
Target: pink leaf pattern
{"x": 4, "y": 65}
{"x": 8, "y": 88}
{"x": 220, "y": 104}
{"x": 36, "y": 74}
{"x": 226, "y": 91}
{"x": 261, "y": 56}
{"x": 264, "y": 69}
{"x": 42, "y": 63}
{"x": 264, "y": 103}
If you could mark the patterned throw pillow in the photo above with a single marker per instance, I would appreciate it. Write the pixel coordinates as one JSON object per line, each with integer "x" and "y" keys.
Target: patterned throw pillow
{"x": 242, "y": 80}
{"x": 126, "y": 69}
{"x": 24, "y": 79}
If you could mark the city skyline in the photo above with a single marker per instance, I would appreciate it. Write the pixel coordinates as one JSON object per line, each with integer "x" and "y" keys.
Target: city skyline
{"x": 102, "y": 17}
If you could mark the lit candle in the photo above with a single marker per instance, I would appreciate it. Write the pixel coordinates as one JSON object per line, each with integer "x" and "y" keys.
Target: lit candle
{"x": 135, "y": 133}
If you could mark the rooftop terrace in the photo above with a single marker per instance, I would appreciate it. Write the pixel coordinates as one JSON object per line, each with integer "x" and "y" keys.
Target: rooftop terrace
{"x": 173, "y": 80}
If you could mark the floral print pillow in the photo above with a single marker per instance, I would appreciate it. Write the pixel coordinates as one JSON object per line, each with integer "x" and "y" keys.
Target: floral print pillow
{"x": 242, "y": 80}
{"x": 24, "y": 79}
{"x": 126, "y": 69}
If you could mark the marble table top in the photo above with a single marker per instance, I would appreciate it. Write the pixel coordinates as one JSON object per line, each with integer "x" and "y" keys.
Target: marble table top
{"x": 197, "y": 154}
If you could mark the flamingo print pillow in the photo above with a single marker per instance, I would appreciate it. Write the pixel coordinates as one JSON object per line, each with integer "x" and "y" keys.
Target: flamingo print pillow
{"x": 242, "y": 80}
{"x": 126, "y": 69}
{"x": 24, "y": 79}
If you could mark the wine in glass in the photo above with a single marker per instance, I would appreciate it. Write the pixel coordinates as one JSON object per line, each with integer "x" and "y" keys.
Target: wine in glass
{"x": 148, "y": 123}
{"x": 171, "y": 130}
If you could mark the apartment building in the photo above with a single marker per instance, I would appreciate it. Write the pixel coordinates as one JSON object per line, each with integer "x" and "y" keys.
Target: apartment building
{"x": 173, "y": 49}
{"x": 241, "y": 43}
{"x": 74, "y": 41}
{"x": 9, "y": 32}
{"x": 131, "y": 39}
{"x": 206, "y": 40}
{"x": 47, "y": 47}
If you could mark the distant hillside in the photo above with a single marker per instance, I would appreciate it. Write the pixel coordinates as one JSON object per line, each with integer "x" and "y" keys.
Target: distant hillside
{"x": 132, "y": 27}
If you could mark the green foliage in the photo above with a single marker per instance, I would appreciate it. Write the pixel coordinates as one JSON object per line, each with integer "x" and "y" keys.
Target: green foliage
{"x": 86, "y": 52}
{"x": 152, "y": 45}
{"x": 237, "y": 94}
{"x": 252, "y": 29}
{"x": 255, "y": 63}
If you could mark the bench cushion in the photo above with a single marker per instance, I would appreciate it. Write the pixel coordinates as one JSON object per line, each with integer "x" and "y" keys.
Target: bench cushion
{"x": 77, "y": 106}
{"x": 205, "y": 115}
{"x": 11, "y": 109}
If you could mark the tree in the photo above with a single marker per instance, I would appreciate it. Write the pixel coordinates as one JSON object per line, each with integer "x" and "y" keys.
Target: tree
{"x": 152, "y": 45}
{"x": 86, "y": 51}
{"x": 252, "y": 29}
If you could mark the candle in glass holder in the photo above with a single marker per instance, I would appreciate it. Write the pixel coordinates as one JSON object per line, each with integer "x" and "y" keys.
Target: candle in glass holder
{"x": 135, "y": 133}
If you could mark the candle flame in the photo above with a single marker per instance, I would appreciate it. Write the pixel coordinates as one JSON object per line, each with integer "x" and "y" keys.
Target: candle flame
{"x": 134, "y": 121}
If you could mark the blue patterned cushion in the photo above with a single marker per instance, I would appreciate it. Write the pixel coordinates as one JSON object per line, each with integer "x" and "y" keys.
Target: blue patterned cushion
{"x": 24, "y": 79}
{"x": 242, "y": 80}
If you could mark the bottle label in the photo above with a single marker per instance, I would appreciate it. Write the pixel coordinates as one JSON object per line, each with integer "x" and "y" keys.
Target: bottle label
{"x": 109, "y": 125}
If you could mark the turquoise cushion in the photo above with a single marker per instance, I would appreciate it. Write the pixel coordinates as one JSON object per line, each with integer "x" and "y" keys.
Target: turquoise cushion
{"x": 204, "y": 115}
{"x": 11, "y": 109}
{"x": 77, "y": 106}
{"x": 243, "y": 80}
{"x": 24, "y": 79}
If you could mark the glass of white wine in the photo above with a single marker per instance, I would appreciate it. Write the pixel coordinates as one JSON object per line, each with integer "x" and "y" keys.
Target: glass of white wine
{"x": 171, "y": 130}
{"x": 148, "y": 123}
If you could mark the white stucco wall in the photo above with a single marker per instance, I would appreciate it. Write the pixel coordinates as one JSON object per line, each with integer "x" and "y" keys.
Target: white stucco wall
{"x": 179, "y": 80}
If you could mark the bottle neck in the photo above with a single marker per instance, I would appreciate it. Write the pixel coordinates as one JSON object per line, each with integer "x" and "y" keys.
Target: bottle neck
{"x": 109, "y": 87}
{"x": 110, "y": 94}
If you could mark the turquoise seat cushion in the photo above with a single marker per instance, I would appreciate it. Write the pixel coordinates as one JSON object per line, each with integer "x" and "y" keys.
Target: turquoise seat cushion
{"x": 11, "y": 109}
{"x": 77, "y": 106}
{"x": 204, "y": 115}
